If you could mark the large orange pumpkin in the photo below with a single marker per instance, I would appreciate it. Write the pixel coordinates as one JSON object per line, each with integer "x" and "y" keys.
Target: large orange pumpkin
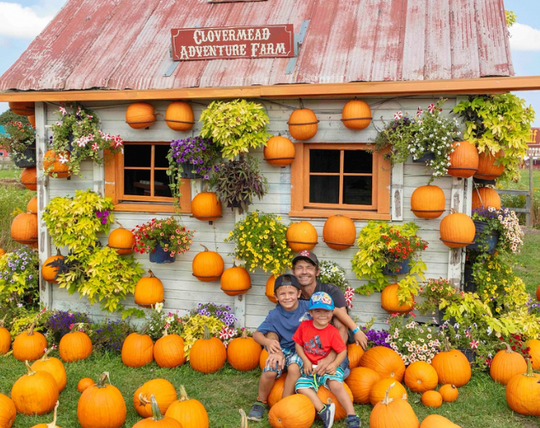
{"x": 293, "y": 411}
{"x": 384, "y": 361}
{"x": 356, "y": 114}
{"x": 179, "y": 116}
{"x": 75, "y": 346}
{"x": 137, "y": 350}
{"x": 360, "y": 382}
{"x": 303, "y": 124}
{"x": 29, "y": 178}
{"x": 207, "y": 265}
{"x": 339, "y": 232}
{"x": 421, "y": 377}
{"x": 206, "y": 206}
{"x": 243, "y": 353}
{"x": 463, "y": 160}
{"x": 279, "y": 151}
{"x": 269, "y": 290}
{"x": 188, "y": 411}
{"x": 301, "y": 236}
{"x": 235, "y": 280}
{"x": 457, "y": 230}
{"x": 24, "y": 229}
{"x": 484, "y": 197}
{"x": 53, "y": 166}
{"x": 29, "y": 345}
{"x": 276, "y": 393}
{"x": 379, "y": 388}
{"x": 49, "y": 272}
{"x": 140, "y": 115}
{"x": 506, "y": 364}
{"x": 149, "y": 290}
{"x": 522, "y": 392}
{"x": 487, "y": 170}
{"x": 208, "y": 354}
{"x": 354, "y": 352}
{"x": 452, "y": 367}
{"x": 53, "y": 366}
{"x": 121, "y": 240}
{"x": 162, "y": 390}
{"x": 7, "y": 411}
{"x": 23, "y": 108}
{"x": 428, "y": 202}
{"x": 390, "y": 301}
{"x": 35, "y": 392}
{"x": 169, "y": 350}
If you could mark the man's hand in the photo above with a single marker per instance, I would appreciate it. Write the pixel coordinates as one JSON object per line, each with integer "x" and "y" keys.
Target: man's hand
{"x": 361, "y": 339}
{"x": 322, "y": 364}
{"x": 330, "y": 369}
{"x": 273, "y": 346}
{"x": 276, "y": 360}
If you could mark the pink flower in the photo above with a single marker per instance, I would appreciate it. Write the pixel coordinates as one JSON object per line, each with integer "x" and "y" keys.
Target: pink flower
{"x": 474, "y": 344}
{"x": 398, "y": 115}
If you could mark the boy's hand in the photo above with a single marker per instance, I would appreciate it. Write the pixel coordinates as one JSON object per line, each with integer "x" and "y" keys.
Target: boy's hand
{"x": 361, "y": 339}
{"x": 308, "y": 367}
{"x": 273, "y": 346}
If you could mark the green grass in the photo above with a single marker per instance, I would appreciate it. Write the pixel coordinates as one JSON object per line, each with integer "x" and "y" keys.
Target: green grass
{"x": 527, "y": 267}
{"x": 10, "y": 173}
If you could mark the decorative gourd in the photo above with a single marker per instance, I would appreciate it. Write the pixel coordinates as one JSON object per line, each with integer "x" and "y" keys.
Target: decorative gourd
{"x": 484, "y": 197}
{"x": 463, "y": 160}
{"x": 457, "y": 230}
{"x": 208, "y": 354}
{"x": 75, "y": 346}
{"x": 7, "y": 411}
{"x": 506, "y": 364}
{"x": 53, "y": 366}
{"x": 262, "y": 358}
{"x": 122, "y": 240}
{"x": 432, "y": 399}
{"x": 301, "y": 236}
{"x": 140, "y": 115}
{"x": 23, "y": 108}
{"x": 279, "y": 151}
{"x": 449, "y": 392}
{"x": 339, "y": 232}
{"x": 292, "y": 411}
{"x": 390, "y": 302}
{"x": 179, "y": 116}
{"x": 360, "y": 381}
{"x": 101, "y": 405}
{"x": 487, "y": 170}
{"x": 157, "y": 420}
{"x": 522, "y": 392}
{"x": 84, "y": 383}
{"x": 269, "y": 290}
{"x": 169, "y": 350}
{"x": 161, "y": 389}
{"x": 533, "y": 344}
{"x": 29, "y": 178}
{"x": 235, "y": 280}
{"x": 206, "y": 206}
{"x": 24, "y": 229}
{"x": 49, "y": 272}
{"x": 243, "y": 353}
{"x": 303, "y": 124}
{"x": 393, "y": 413}
{"x": 29, "y": 345}
{"x": 328, "y": 397}
{"x": 452, "y": 367}
{"x": 137, "y": 350}
{"x": 354, "y": 352}
{"x": 207, "y": 265}
{"x": 5, "y": 338}
{"x": 52, "y": 165}
{"x": 384, "y": 361}
{"x": 428, "y": 202}
{"x": 53, "y": 423}
{"x": 421, "y": 377}
{"x": 35, "y": 392}
{"x": 32, "y": 206}
{"x": 437, "y": 421}
{"x": 188, "y": 411}
{"x": 149, "y": 290}
{"x": 356, "y": 115}
{"x": 379, "y": 388}
{"x": 276, "y": 393}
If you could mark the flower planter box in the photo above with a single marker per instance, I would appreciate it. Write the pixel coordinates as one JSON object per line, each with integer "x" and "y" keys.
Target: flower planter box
{"x": 26, "y": 159}
{"x": 488, "y": 244}
{"x": 159, "y": 255}
{"x": 401, "y": 268}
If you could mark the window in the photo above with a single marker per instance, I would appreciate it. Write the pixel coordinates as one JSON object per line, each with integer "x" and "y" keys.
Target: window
{"x": 137, "y": 180}
{"x": 346, "y": 179}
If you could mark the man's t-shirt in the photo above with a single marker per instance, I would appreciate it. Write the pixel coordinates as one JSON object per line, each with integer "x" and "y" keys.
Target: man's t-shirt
{"x": 335, "y": 293}
{"x": 284, "y": 323}
{"x": 317, "y": 343}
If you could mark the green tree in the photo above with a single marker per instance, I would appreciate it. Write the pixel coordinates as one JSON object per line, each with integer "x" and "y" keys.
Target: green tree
{"x": 9, "y": 116}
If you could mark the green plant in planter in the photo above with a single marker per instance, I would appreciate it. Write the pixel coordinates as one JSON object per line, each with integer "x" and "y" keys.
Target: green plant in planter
{"x": 19, "y": 138}
{"x": 396, "y": 135}
{"x": 498, "y": 122}
{"x": 382, "y": 244}
{"x": 237, "y": 181}
{"x": 235, "y": 126}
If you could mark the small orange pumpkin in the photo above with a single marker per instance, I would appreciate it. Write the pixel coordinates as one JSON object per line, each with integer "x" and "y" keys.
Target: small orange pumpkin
{"x": 487, "y": 170}
{"x": 29, "y": 345}
{"x": 379, "y": 388}
{"x": 506, "y": 364}
{"x": 432, "y": 399}
{"x": 122, "y": 240}
{"x": 339, "y": 232}
{"x": 169, "y": 350}
{"x": 356, "y": 114}
{"x": 149, "y": 290}
{"x": 449, "y": 392}
{"x": 235, "y": 280}
{"x": 188, "y": 411}
{"x": 53, "y": 166}
{"x": 206, "y": 206}
{"x": 522, "y": 392}
{"x": 208, "y": 354}
{"x": 452, "y": 367}
{"x": 157, "y": 419}
{"x": 207, "y": 265}
{"x": 243, "y": 353}
{"x": 8, "y": 412}
{"x": 384, "y": 361}
{"x": 269, "y": 290}
{"x": 32, "y": 206}
{"x": 40, "y": 386}
{"x": 463, "y": 160}
{"x": 179, "y": 116}
{"x": 293, "y": 411}
{"x": 49, "y": 272}
{"x": 390, "y": 302}
{"x": 75, "y": 346}
{"x": 428, "y": 202}
{"x": 484, "y": 197}
{"x": 140, "y": 115}
{"x": 399, "y": 412}
{"x": 301, "y": 236}
{"x": 421, "y": 377}
{"x": 5, "y": 338}
{"x": 279, "y": 151}
{"x": 303, "y": 124}
{"x": 161, "y": 389}
{"x": 84, "y": 383}
{"x": 53, "y": 366}
{"x": 137, "y": 350}
{"x": 457, "y": 230}
{"x": 29, "y": 178}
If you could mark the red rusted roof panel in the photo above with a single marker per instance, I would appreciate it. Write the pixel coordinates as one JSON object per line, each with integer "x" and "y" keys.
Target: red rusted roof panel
{"x": 122, "y": 44}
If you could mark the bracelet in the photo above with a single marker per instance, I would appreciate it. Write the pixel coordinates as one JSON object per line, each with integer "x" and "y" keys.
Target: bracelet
{"x": 356, "y": 330}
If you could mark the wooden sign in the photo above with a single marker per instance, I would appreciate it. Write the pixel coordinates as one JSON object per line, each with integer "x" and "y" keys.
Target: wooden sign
{"x": 270, "y": 41}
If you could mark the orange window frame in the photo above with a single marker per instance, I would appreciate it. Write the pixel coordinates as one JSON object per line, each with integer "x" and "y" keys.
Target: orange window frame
{"x": 114, "y": 188}
{"x": 300, "y": 178}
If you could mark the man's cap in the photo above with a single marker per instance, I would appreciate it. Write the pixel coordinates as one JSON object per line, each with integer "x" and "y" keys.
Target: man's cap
{"x": 321, "y": 300}
{"x": 306, "y": 255}
{"x": 286, "y": 279}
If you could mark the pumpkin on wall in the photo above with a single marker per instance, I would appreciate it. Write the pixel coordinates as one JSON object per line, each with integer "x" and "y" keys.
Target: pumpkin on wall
{"x": 140, "y": 115}
{"x": 149, "y": 290}
{"x": 484, "y": 197}
{"x": 457, "y": 230}
{"x": 206, "y": 206}
{"x": 279, "y": 151}
{"x": 356, "y": 115}
{"x": 301, "y": 236}
{"x": 24, "y": 229}
{"x": 29, "y": 178}
{"x": 428, "y": 202}
{"x": 207, "y": 265}
{"x": 122, "y": 240}
{"x": 303, "y": 124}
{"x": 179, "y": 116}
{"x": 235, "y": 280}
{"x": 339, "y": 232}
{"x": 463, "y": 160}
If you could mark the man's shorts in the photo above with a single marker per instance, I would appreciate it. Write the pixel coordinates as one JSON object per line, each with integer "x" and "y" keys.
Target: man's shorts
{"x": 314, "y": 381}
{"x": 291, "y": 357}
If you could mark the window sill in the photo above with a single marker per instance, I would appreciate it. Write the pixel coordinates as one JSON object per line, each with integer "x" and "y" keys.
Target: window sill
{"x": 352, "y": 214}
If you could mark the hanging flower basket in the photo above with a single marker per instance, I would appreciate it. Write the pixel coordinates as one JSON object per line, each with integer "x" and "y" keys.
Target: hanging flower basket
{"x": 159, "y": 255}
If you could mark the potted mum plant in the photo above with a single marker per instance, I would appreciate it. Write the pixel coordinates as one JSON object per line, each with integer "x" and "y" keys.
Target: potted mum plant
{"x": 20, "y": 142}
{"x": 163, "y": 239}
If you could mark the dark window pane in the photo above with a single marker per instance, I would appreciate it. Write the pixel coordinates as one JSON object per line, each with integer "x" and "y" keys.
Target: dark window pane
{"x": 161, "y": 182}
{"x": 137, "y": 182}
{"x": 324, "y": 189}
{"x": 137, "y": 155}
{"x": 357, "y": 190}
{"x": 161, "y": 155}
{"x": 324, "y": 160}
{"x": 358, "y": 161}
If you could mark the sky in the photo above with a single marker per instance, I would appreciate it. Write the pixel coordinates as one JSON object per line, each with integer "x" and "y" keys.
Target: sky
{"x": 22, "y": 21}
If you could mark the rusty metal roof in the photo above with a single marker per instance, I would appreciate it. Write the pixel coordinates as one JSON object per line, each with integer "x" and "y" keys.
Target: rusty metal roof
{"x": 125, "y": 44}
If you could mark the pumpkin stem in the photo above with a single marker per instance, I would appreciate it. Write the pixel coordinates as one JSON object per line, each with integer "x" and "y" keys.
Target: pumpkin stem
{"x": 31, "y": 329}
{"x": 508, "y": 347}
{"x": 119, "y": 224}
{"x": 151, "y": 274}
{"x": 204, "y": 246}
{"x": 143, "y": 400}
{"x": 165, "y": 332}
{"x": 2, "y": 321}
{"x": 183, "y": 393}
{"x": 206, "y": 334}
{"x": 53, "y": 423}
{"x": 29, "y": 369}
{"x": 101, "y": 382}
{"x": 244, "y": 333}
{"x": 243, "y": 419}
{"x": 529, "y": 372}
{"x": 446, "y": 344}
{"x": 156, "y": 413}
{"x": 46, "y": 354}
{"x": 387, "y": 400}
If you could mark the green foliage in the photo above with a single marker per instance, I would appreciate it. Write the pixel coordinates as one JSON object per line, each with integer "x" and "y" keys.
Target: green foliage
{"x": 158, "y": 320}
{"x": 20, "y": 137}
{"x": 19, "y": 276}
{"x": 433, "y": 292}
{"x": 194, "y": 329}
{"x": 10, "y": 116}
{"x": 396, "y": 136}
{"x": 499, "y": 122}
{"x": 22, "y": 318}
{"x": 332, "y": 273}
{"x": 511, "y": 18}
{"x": 76, "y": 221}
{"x": 235, "y": 125}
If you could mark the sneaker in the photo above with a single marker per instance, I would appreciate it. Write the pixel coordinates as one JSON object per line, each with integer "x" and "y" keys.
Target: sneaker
{"x": 353, "y": 421}
{"x": 257, "y": 411}
{"x": 327, "y": 415}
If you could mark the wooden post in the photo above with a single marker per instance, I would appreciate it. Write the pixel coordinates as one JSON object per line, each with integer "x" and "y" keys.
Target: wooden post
{"x": 530, "y": 204}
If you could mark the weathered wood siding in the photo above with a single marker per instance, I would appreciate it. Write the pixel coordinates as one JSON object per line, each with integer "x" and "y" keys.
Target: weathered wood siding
{"x": 182, "y": 290}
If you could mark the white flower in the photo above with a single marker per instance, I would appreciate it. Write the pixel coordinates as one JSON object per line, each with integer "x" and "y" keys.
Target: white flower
{"x": 158, "y": 307}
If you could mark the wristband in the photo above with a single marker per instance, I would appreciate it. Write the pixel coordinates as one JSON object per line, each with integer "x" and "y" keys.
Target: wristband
{"x": 356, "y": 330}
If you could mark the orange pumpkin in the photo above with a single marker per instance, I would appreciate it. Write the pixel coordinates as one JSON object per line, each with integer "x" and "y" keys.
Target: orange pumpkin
{"x": 163, "y": 392}
{"x": 522, "y": 392}
{"x": 379, "y": 388}
{"x": 32, "y": 120}
{"x": 484, "y": 197}
{"x": 452, "y": 367}
{"x": 179, "y": 116}
{"x": 449, "y": 392}
{"x": 303, "y": 124}
{"x": 339, "y": 232}
{"x": 29, "y": 345}
{"x": 269, "y": 290}
{"x": 428, "y": 202}
{"x": 8, "y": 412}
{"x": 208, "y": 354}
{"x": 437, "y": 421}
{"x": 5, "y": 338}
{"x": 384, "y": 361}
{"x": 276, "y": 393}
{"x": 243, "y": 353}
{"x": 293, "y": 411}
{"x": 32, "y": 206}
{"x": 393, "y": 413}
{"x": 506, "y": 364}
{"x": 137, "y": 350}
{"x": 279, "y": 151}
{"x": 421, "y": 377}
{"x": 432, "y": 399}
{"x": 390, "y": 302}
{"x": 84, "y": 383}
{"x": 53, "y": 366}
{"x": 75, "y": 346}
{"x": 53, "y": 166}
{"x": 487, "y": 170}
{"x": 262, "y": 358}
{"x": 140, "y": 115}
{"x": 149, "y": 291}
{"x": 122, "y": 240}
{"x": 29, "y": 178}
{"x": 157, "y": 419}
{"x": 235, "y": 280}
{"x": 40, "y": 386}
{"x": 463, "y": 160}
{"x": 356, "y": 115}
{"x": 301, "y": 236}
{"x": 23, "y": 108}
{"x": 457, "y": 230}
{"x": 206, "y": 206}
{"x": 361, "y": 381}
{"x": 188, "y": 411}
{"x": 534, "y": 350}
{"x": 354, "y": 352}
{"x": 24, "y": 229}
{"x": 207, "y": 265}
{"x": 328, "y": 397}
{"x": 169, "y": 350}
{"x": 49, "y": 272}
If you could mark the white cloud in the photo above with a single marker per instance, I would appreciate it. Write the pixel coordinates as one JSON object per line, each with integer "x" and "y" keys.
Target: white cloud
{"x": 21, "y": 22}
{"x": 524, "y": 38}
